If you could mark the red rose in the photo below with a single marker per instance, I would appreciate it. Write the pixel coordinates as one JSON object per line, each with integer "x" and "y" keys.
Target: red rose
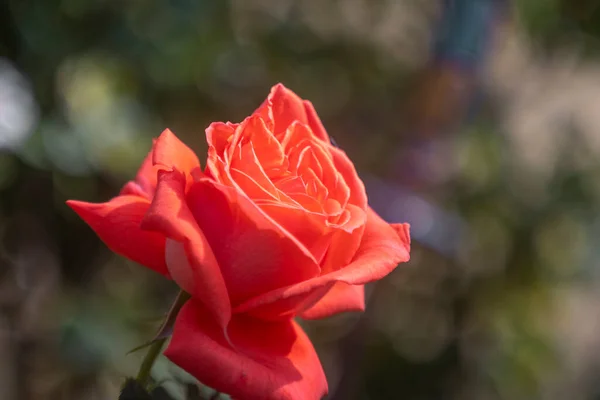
{"x": 276, "y": 226}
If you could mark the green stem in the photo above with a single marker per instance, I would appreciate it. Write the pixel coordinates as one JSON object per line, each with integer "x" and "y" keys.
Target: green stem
{"x": 151, "y": 356}
{"x": 158, "y": 343}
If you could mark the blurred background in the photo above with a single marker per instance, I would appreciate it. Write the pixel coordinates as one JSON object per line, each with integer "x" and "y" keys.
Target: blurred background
{"x": 477, "y": 121}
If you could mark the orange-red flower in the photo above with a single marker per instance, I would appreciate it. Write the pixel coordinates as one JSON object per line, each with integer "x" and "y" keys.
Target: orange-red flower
{"x": 276, "y": 226}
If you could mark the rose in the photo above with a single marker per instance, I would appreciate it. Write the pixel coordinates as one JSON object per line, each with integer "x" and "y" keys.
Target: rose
{"x": 276, "y": 226}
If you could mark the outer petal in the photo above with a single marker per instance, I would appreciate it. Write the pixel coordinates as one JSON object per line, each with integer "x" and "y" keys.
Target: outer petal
{"x": 341, "y": 297}
{"x": 171, "y": 153}
{"x": 380, "y": 251}
{"x": 256, "y": 255}
{"x": 342, "y": 248}
{"x": 190, "y": 258}
{"x": 271, "y": 361}
{"x": 145, "y": 180}
{"x": 117, "y": 223}
{"x": 403, "y": 230}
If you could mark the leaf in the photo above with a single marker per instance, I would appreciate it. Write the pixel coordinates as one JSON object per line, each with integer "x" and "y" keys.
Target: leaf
{"x": 166, "y": 329}
{"x": 163, "y": 333}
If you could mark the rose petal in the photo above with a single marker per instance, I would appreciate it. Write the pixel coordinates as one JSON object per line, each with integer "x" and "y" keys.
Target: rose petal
{"x": 179, "y": 266}
{"x": 403, "y": 230}
{"x": 315, "y": 165}
{"x": 255, "y": 254}
{"x": 218, "y": 135}
{"x": 342, "y": 249}
{"x": 315, "y": 122}
{"x": 171, "y": 153}
{"x": 299, "y": 141}
{"x": 332, "y": 178}
{"x": 132, "y": 188}
{"x": 246, "y": 162}
{"x": 358, "y": 195}
{"x": 117, "y": 223}
{"x": 266, "y": 147}
{"x": 332, "y": 207}
{"x": 340, "y": 298}
{"x": 251, "y": 187}
{"x": 293, "y": 198}
{"x": 309, "y": 228}
{"x": 356, "y": 218}
{"x": 145, "y": 180}
{"x": 291, "y": 185}
{"x": 282, "y": 107}
{"x": 295, "y": 135}
{"x": 270, "y": 361}
{"x": 216, "y": 167}
{"x": 170, "y": 215}
{"x": 380, "y": 252}
{"x": 235, "y": 142}
{"x": 314, "y": 186}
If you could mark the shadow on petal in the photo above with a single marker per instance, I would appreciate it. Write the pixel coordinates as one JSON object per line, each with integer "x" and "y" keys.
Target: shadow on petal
{"x": 341, "y": 297}
{"x": 118, "y": 224}
{"x": 379, "y": 253}
{"x": 192, "y": 264}
{"x": 255, "y": 254}
{"x": 271, "y": 360}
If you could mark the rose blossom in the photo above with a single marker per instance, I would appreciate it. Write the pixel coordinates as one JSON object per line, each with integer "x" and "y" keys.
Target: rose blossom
{"x": 276, "y": 226}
